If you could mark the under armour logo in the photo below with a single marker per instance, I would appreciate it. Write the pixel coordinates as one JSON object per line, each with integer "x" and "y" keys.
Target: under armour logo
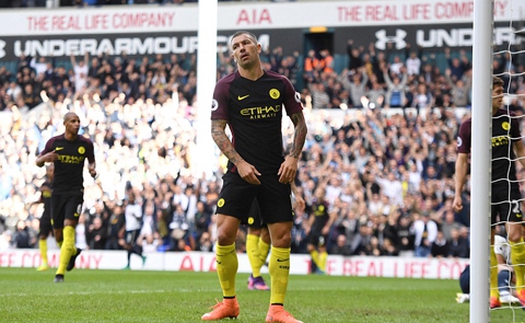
{"x": 398, "y": 39}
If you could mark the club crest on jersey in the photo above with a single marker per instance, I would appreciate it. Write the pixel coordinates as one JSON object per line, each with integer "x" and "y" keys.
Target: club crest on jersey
{"x": 275, "y": 94}
{"x": 505, "y": 125}
{"x": 214, "y": 105}
{"x": 81, "y": 150}
{"x": 297, "y": 97}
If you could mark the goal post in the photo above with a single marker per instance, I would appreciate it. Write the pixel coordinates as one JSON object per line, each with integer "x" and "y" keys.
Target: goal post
{"x": 483, "y": 26}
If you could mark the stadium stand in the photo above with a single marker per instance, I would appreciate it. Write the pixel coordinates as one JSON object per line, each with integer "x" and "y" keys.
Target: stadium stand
{"x": 384, "y": 168}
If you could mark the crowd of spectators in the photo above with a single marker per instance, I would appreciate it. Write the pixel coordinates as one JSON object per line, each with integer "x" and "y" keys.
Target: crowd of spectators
{"x": 381, "y": 142}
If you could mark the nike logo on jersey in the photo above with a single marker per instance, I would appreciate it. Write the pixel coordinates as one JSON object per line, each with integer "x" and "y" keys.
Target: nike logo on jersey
{"x": 59, "y": 148}
{"x": 240, "y": 98}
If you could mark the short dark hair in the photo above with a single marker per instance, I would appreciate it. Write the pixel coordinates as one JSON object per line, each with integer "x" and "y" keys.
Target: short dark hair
{"x": 243, "y": 32}
{"x": 496, "y": 81}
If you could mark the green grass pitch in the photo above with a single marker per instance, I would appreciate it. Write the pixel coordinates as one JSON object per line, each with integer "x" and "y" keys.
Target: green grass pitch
{"x": 160, "y": 296}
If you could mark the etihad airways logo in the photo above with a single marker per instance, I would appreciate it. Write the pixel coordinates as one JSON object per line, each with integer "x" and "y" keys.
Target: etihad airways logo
{"x": 261, "y": 112}
{"x": 68, "y": 159}
{"x": 500, "y": 141}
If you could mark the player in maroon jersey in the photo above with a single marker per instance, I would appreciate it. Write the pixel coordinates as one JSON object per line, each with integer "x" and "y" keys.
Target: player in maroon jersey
{"x": 507, "y": 146}
{"x": 68, "y": 152}
{"x": 251, "y": 101}
{"x": 45, "y": 226}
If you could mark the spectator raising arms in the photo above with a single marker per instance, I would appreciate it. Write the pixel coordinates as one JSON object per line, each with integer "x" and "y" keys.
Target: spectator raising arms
{"x": 140, "y": 115}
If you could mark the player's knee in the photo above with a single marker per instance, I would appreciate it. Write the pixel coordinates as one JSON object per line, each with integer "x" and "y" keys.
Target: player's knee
{"x": 254, "y": 231}
{"x": 70, "y": 223}
{"x": 224, "y": 238}
{"x": 282, "y": 242}
{"x": 280, "y": 231}
{"x": 265, "y": 236}
{"x": 515, "y": 238}
{"x": 58, "y": 236}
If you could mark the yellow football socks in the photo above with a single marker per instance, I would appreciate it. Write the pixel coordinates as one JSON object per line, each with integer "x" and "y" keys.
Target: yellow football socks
{"x": 42, "y": 246}
{"x": 517, "y": 257}
{"x": 279, "y": 272}
{"x": 494, "y": 291}
{"x": 252, "y": 251}
{"x": 227, "y": 265}
{"x": 67, "y": 250}
{"x": 323, "y": 256}
{"x": 314, "y": 254}
{"x": 264, "y": 249}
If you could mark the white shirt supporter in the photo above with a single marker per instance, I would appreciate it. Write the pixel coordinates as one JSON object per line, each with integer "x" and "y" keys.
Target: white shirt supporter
{"x": 133, "y": 214}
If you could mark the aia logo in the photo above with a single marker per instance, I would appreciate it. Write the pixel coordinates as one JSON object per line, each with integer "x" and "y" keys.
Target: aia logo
{"x": 398, "y": 39}
{"x": 2, "y": 46}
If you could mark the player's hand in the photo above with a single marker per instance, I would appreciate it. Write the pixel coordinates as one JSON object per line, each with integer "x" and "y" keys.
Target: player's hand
{"x": 457, "y": 204}
{"x": 287, "y": 170}
{"x": 248, "y": 172}
{"x": 93, "y": 172}
{"x": 50, "y": 157}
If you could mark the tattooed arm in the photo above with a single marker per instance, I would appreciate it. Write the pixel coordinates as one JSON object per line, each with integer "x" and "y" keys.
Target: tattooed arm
{"x": 247, "y": 171}
{"x": 288, "y": 168}
{"x": 218, "y": 134}
{"x": 299, "y": 135}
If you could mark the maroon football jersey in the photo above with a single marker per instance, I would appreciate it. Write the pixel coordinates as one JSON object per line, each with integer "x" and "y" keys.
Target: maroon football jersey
{"x": 505, "y": 130}
{"x": 69, "y": 166}
{"x": 254, "y": 110}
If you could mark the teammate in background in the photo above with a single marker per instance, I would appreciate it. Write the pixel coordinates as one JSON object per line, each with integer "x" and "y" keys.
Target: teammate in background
{"x": 68, "y": 152}
{"x": 133, "y": 218}
{"x": 506, "y": 276}
{"x": 506, "y": 206}
{"x": 258, "y": 242}
{"x": 251, "y": 101}
{"x": 320, "y": 221}
{"x": 45, "y": 220}
{"x": 257, "y": 247}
